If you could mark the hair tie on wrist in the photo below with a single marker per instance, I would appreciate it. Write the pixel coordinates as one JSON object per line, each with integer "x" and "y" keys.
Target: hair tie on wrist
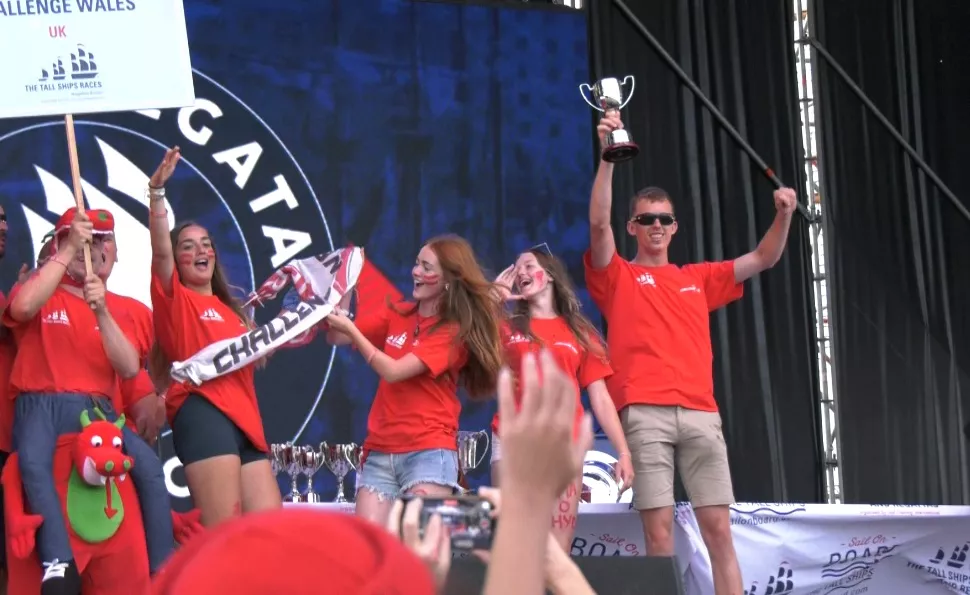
{"x": 371, "y": 357}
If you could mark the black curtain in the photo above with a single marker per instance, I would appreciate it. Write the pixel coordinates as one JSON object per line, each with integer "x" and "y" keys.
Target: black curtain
{"x": 898, "y": 282}
{"x": 741, "y": 54}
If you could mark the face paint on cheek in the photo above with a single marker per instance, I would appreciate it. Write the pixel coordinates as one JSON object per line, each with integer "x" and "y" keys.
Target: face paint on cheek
{"x": 210, "y": 253}
{"x": 430, "y": 278}
{"x": 539, "y": 277}
{"x": 186, "y": 259}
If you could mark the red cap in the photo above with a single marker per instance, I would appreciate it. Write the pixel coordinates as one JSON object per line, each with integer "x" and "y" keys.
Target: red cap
{"x": 104, "y": 221}
{"x": 295, "y": 551}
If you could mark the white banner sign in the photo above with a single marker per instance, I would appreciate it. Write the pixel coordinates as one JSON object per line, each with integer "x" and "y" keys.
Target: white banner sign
{"x": 806, "y": 549}
{"x": 85, "y": 56}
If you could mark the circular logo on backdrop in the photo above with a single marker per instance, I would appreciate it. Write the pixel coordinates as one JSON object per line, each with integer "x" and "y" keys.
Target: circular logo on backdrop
{"x": 236, "y": 178}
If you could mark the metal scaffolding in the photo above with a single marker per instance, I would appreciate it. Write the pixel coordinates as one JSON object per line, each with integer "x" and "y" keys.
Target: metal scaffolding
{"x": 828, "y": 403}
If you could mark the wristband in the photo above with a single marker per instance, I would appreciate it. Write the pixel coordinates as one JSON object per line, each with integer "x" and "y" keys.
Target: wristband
{"x": 623, "y": 454}
{"x": 55, "y": 259}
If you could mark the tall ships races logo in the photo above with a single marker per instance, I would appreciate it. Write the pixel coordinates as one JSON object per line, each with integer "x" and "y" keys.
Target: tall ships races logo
{"x": 236, "y": 178}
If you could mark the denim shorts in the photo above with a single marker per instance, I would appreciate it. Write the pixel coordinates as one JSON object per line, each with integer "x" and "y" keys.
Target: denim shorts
{"x": 392, "y": 475}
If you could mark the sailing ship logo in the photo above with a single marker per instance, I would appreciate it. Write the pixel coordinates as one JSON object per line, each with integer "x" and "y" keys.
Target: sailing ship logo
{"x": 83, "y": 67}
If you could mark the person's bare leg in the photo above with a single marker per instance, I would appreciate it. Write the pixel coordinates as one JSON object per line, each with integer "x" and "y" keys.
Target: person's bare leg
{"x": 564, "y": 516}
{"x": 431, "y": 490}
{"x": 260, "y": 491}
{"x": 215, "y": 486}
{"x": 658, "y": 530}
{"x": 373, "y": 506}
{"x": 715, "y": 526}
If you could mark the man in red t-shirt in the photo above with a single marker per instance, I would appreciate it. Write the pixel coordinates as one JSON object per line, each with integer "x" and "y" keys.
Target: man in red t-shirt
{"x": 660, "y": 341}
{"x": 72, "y": 345}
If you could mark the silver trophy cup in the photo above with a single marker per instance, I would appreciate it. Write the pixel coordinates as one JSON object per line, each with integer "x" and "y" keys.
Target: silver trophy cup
{"x": 468, "y": 443}
{"x": 608, "y": 96}
{"x": 337, "y": 458}
{"x": 311, "y": 460}
{"x": 290, "y": 462}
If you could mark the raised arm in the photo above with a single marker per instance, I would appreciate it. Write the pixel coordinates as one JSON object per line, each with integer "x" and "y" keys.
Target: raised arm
{"x": 163, "y": 259}
{"x": 601, "y": 242}
{"x": 39, "y": 287}
{"x": 772, "y": 245}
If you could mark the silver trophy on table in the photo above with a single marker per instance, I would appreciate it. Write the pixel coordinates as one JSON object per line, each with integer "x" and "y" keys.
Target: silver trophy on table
{"x": 608, "y": 96}
{"x": 468, "y": 443}
{"x": 310, "y": 462}
{"x": 288, "y": 459}
{"x": 340, "y": 459}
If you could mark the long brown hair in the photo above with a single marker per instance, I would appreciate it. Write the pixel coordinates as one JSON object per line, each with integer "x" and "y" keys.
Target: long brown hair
{"x": 159, "y": 363}
{"x": 566, "y": 305}
{"x": 469, "y": 301}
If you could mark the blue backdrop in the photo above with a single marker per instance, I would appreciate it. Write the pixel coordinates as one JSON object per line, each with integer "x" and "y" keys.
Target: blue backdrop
{"x": 377, "y": 122}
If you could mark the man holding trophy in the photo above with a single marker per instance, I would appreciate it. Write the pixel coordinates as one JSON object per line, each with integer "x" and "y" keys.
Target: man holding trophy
{"x": 660, "y": 342}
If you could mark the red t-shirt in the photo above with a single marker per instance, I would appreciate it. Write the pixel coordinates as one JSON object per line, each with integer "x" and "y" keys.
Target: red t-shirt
{"x": 659, "y": 333}
{"x": 135, "y": 320}
{"x": 420, "y": 413}
{"x": 187, "y": 322}
{"x": 584, "y": 368}
{"x": 8, "y": 351}
{"x": 59, "y": 350}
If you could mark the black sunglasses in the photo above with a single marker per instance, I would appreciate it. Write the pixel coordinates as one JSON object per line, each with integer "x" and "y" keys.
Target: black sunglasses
{"x": 651, "y": 218}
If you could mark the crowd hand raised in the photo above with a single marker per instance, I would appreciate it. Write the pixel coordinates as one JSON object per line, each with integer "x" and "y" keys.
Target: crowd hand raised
{"x": 82, "y": 230}
{"x": 539, "y": 453}
{"x": 557, "y": 562}
{"x": 505, "y": 282}
{"x": 785, "y": 200}
{"x": 610, "y": 122}
{"x": 94, "y": 292}
{"x": 434, "y": 549}
{"x": 165, "y": 169}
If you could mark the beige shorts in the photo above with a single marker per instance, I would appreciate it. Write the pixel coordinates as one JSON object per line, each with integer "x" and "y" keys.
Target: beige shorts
{"x": 659, "y": 436}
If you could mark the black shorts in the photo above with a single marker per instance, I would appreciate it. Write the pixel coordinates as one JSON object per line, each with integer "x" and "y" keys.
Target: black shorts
{"x": 200, "y": 431}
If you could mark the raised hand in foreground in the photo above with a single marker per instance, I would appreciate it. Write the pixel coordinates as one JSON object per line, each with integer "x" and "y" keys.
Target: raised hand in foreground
{"x": 434, "y": 549}
{"x": 539, "y": 459}
{"x": 562, "y": 575}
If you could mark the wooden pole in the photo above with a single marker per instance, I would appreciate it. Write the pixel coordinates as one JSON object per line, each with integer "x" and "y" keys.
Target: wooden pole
{"x": 76, "y": 180}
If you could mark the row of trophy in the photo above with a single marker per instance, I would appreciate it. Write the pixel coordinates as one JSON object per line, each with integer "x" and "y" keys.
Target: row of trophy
{"x": 340, "y": 459}
{"x": 294, "y": 460}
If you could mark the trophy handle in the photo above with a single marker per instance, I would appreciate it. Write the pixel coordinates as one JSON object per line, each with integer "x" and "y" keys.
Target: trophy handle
{"x": 484, "y": 450}
{"x": 586, "y": 99}
{"x": 633, "y": 83}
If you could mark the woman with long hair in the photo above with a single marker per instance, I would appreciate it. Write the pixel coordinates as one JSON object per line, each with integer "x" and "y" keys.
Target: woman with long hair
{"x": 449, "y": 336}
{"x": 547, "y": 315}
{"x": 216, "y": 427}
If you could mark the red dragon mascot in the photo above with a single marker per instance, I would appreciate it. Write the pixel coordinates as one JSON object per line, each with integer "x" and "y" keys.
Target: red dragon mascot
{"x": 102, "y": 512}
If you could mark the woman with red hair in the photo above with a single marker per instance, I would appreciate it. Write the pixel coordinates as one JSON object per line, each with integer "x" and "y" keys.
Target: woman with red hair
{"x": 449, "y": 336}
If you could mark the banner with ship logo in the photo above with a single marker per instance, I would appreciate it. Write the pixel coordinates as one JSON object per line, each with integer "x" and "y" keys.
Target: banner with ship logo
{"x": 86, "y": 56}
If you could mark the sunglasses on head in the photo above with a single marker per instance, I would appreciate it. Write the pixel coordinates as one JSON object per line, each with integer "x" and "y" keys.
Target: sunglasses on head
{"x": 651, "y": 218}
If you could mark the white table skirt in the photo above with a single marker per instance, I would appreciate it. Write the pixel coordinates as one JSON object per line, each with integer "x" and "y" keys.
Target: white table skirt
{"x": 802, "y": 549}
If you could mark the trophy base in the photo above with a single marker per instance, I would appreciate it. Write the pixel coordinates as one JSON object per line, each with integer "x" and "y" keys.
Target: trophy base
{"x": 312, "y": 498}
{"x": 294, "y": 498}
{"x": 620, "y": 152}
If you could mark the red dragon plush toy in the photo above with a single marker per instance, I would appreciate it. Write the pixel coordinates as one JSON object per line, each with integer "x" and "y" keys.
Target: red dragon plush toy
{"x": 101, "y": 508}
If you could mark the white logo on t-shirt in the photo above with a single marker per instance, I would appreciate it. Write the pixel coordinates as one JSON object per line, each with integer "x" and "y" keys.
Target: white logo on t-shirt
{"x": 398, "y": 340}
{"x": 55, "y": 569}
{"x": 690, "y": 288}
{"x": 646, "y": 279}
{"x": 569, "y": 346}
{"x": 211, "y": 315}
{"x": 57, "y": 317}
